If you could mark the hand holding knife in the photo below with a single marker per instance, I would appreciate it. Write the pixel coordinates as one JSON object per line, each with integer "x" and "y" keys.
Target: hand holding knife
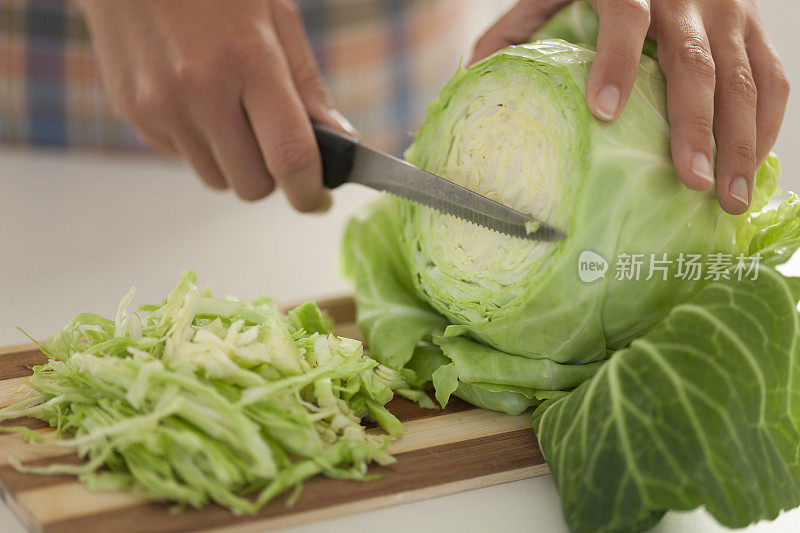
{"x": 345, "y": 159}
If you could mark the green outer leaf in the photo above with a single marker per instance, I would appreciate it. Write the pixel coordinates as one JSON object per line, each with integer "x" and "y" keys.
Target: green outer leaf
{"x": 478, "y": 363}
{"x": 426, "y": 359}
{"x": 391, "y": 316}
{"x": 511, "y": 400}
{"x": 445, "y": 381}
{"x": 505, "y": 401}
{"x": 493, "y": 379}
{"x": 778, "y": 235}
{"x": 703, "y": 410}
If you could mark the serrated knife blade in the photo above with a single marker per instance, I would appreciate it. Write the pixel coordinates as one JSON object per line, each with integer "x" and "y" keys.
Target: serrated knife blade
{"x": 346, "y": 160}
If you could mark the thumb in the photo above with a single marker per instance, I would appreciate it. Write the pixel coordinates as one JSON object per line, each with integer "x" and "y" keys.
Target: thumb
{"x": 516, "y": 26}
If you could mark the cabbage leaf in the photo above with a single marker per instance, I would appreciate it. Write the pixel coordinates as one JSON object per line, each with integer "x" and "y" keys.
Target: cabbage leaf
{"x": 703, "y": 410}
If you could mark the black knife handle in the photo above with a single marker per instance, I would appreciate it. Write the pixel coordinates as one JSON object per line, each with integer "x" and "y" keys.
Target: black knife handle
{"x": 337, "y": 150}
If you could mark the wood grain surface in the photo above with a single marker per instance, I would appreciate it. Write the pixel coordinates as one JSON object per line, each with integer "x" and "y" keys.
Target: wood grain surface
{"x": 441, "y": 452}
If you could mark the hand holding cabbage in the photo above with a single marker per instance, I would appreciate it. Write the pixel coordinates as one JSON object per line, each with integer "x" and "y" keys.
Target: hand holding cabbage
{"x": 722, "y": 70}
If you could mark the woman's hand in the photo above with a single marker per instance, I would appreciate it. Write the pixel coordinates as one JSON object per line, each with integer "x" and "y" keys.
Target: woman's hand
{"x": 723, "y": 77}
{"x": 229, "y": 86}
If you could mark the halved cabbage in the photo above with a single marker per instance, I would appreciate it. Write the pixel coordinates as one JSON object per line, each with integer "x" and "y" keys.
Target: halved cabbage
{"x": 515, "y": 127}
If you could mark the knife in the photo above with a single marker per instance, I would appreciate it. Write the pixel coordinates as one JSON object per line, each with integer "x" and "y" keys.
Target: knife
{"x": 346, "y": 160}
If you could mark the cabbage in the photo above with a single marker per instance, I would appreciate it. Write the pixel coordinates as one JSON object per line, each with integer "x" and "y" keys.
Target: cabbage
{"x": 702, "y": 410}
{"x": 670, "y": 391}
{"x": 203, "y": 399}
{"x": 515, "y": 316}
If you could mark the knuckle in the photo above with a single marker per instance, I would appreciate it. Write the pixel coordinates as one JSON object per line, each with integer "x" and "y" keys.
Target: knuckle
{"x": 192, "y": 75}
{"x": 152, "y": 100}
{"x": 782, "y": 85}
{"x": 694, "y": 55}
{"x": 310, "y": 82}
{"x": 704, "y": 126}
{"x": 249, "y": 54}
{"x": 291, "y": 156}
{"x": 746, "y": 152}
{"x": 740, "y": 83}
{"x": 731, "y": 15}
{"x": 623, "y": 56}
{"x": 637, "y": 10}
{"x": 139, "y": 102}
{"x": 141, "y": 107}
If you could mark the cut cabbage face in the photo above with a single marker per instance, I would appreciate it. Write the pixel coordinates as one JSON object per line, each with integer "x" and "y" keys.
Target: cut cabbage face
{"x": 510, "y": 140}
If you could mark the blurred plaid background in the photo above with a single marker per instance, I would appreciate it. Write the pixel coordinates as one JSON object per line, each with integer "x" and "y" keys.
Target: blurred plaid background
{"x": 384, "y": 61}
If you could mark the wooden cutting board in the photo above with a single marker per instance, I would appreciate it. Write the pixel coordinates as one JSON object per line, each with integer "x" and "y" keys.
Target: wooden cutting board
{"x": 441, "y": 452}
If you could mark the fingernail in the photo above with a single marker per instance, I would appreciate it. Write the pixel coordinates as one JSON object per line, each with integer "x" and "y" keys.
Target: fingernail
{"x": 607, "y": 101}
{"x": 325, "y": 205}
{"x": 738, "y": 189}
{"x": 343, "y": 122}
{"x": 701, "y": 166}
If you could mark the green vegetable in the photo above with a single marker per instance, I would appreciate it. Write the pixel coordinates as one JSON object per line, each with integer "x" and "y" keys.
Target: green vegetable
{"x": 515, "y": 127}
{"x": 202, "y": 399}
{"x": 653, "y": 394}
{"x": 704, "y": 409}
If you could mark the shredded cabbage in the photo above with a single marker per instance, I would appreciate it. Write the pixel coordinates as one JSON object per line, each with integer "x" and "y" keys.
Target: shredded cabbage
{"x": 202, "y": 399}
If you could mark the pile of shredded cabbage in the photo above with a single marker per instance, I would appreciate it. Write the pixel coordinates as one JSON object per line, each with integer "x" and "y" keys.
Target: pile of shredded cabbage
{"x": 203, "y": 399}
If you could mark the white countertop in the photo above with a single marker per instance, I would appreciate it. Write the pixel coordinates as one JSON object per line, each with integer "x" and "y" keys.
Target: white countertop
{"x": 76, "y": 231}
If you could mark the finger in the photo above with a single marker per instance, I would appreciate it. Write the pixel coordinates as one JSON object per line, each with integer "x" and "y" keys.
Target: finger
{"x": 623, "y": 28}
{"x": 686, "y": 61}
{"x": 233, "y": 145}
{"x": 194, "y": 149}
{"x": 516, "y": 26}
{"x": 283, "y": 132}
{"x": 773, "y": 92}
{"x": 305, "y": 71}
{"x": 168, "y": 121}
{"x": 734, "y": 121}
{"x": 216, "y": 112}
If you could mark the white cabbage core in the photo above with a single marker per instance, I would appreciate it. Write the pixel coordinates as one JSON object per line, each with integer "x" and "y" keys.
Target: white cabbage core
{"x": 510, "y": 142}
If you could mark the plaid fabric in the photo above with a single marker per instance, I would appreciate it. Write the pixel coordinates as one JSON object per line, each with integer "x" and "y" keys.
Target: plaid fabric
{"x": 50, "y": 91}
{"x": 383, "y": 59}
